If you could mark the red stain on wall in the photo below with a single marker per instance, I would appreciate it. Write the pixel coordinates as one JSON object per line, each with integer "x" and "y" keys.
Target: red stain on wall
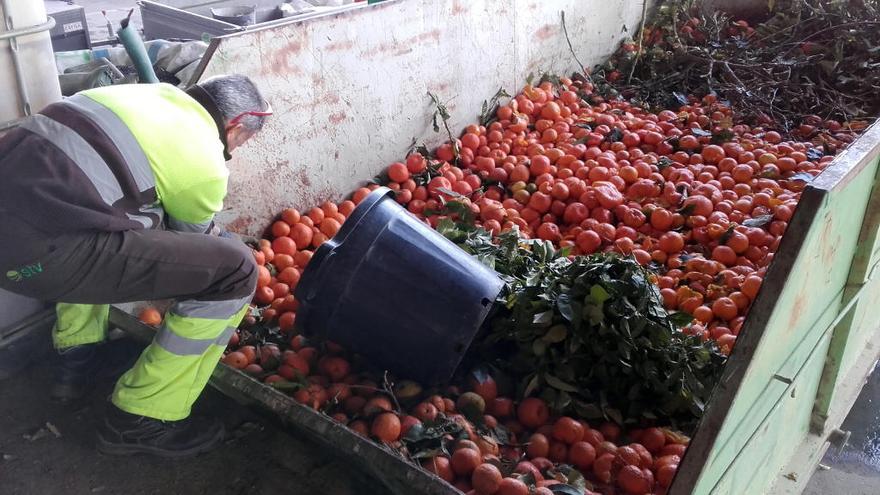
{"x": 337, "y": 117}
{"x": 241, "y": 224}
{"x": 403, "y": 46}
{"x": 340, "y": 45}
{"x": 458, "y": 8}
{"x": 546, "y": 32}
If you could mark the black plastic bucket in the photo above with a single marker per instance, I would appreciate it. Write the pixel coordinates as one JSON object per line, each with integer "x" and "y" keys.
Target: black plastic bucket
{"x": 390, "y": 288}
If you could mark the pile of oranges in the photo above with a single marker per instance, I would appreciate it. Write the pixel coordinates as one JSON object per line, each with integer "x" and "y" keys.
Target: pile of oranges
{"x": 700, "y": 200}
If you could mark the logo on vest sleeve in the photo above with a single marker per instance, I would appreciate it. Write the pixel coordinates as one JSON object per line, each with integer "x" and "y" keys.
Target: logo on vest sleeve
{"x": 27, "y": 271}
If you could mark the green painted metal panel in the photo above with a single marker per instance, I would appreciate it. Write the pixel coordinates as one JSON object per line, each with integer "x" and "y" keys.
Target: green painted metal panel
{"x": 730, "y": 447}
{"x": 813, "y": 288}
{"x": 860, "y": 321}
{"x": 752, "y": 425}
{"x": 788, "y": 421}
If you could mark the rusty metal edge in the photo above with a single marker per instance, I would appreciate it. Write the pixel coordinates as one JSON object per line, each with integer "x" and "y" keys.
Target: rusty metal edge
{"x": 318, "y": 15}
{"x": 381, "y": 463}
{"x": 838, "y": 173}
{"x": 215, "y": 42}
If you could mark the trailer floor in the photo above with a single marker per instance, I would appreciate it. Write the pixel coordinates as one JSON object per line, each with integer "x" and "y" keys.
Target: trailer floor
{"x": 257, "y": 458}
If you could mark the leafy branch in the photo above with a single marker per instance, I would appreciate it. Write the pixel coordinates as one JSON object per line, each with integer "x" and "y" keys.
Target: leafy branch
{"x": 589, "y": 334}
{"x": 490, "y": 107}
{"x": 441, "y": 112}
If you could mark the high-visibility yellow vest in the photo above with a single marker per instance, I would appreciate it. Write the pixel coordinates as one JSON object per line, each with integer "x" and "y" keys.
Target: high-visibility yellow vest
{"x": 181, "y": 142}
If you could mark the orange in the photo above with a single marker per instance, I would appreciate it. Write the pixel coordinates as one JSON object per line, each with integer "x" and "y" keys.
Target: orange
{"x": 634, "y": 480}
{"x": 568, "y": 430}
{"x": 377, "y": 404}
{"x": 582, "y": 455}
{"x": 264, "y": 276}
{"x": 280, "y": 228}
{"x": 386, "y": 427}
{"x": 538, "y": 446}
{"x": 533, "y": 412}
{"x": 286, "y": 321}
{"x": 284, "y": 245}
{"x": 282, "y": 261}
{"x": 653, "y": 439}
{"x": 703, "y": 314}
{"x": 150, "y": 316}
{"x": 289, "y": 276}
{"x": 302, "y": 258}
{"x": 512, "y": 486}
{"x": 671, "y": 242}
{"x": 440, "y": 466}
{"x": 236, "y": 360}
{"x": 665, "y": 474}
{"x": 751, "y": 285}
{"x": 291, "y": 216}
{"x": 465, "y": 460}
{"x": 329, "y": 227}
{"x": 725, "y": 308}
{"x": 398, "y": 172}
{"x": 486, "y": 479}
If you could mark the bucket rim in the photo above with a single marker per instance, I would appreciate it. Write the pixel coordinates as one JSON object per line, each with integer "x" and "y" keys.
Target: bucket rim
{"x": 369, "y": 202}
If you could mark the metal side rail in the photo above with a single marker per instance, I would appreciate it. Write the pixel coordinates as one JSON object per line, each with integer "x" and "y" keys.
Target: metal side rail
{"x": 399, "y": 475}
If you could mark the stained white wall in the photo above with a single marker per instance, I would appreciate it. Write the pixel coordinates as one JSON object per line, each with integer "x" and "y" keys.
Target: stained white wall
{"x": 349, "y": 90}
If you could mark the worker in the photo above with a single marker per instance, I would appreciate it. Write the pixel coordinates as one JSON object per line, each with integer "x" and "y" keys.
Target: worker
{"x": 109, "y": 197}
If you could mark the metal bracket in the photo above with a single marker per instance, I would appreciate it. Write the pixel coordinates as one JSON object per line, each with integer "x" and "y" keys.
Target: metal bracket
{"x": 839, "y": 439}
{"x": 12, "y": 35}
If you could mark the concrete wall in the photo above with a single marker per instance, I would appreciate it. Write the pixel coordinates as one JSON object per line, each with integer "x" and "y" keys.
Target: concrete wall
{"x": 349, "y": 90}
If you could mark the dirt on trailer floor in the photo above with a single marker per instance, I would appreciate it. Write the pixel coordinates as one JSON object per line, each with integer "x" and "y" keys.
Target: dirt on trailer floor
{"x": 47, "y": 448}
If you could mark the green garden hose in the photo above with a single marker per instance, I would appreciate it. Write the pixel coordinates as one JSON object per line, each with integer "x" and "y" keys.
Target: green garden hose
{"x": 134, "y": 46}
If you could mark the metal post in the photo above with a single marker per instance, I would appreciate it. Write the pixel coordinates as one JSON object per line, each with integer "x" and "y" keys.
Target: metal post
{"x": 13, "y": 35}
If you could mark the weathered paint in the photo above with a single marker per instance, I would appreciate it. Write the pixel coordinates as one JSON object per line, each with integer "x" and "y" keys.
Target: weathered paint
{"x": 763, "y": 410}
{"x": 350, "y": 90}
{"x": 859, "y": 324}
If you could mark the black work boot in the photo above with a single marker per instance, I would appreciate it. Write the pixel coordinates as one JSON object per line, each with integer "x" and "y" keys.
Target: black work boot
{"x": 122, "y": 433}
{"x": 75, "y": 370}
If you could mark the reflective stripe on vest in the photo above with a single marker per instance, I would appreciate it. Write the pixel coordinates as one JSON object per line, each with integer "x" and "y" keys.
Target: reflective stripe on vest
{"x": 182, "y": 346}
{"x": 214, "y": 310}
{"x": 90, "y": 161}
{"x": 195, "y": 228}
{"x": 118, "y": 132}
{"x": 80, "y": 152}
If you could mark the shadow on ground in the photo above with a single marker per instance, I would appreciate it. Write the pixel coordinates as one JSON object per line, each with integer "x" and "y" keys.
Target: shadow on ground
{"x": 47, "y": 449}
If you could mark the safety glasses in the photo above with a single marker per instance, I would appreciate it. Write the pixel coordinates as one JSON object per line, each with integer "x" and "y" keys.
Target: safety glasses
{"x": 237, "y": 119}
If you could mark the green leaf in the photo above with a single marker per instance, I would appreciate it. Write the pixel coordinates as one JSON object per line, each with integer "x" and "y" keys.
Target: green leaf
{"x": 758, "y": 221}
{"x": 556, "y": 333}
{"x": 563, "y": 489}
{"x": 614, "y": 415}
{"x": 531, "y": 386}
{"x": 539, "y": 347}
{"x": 599, "y": 294}
{"x": 680, "y": 319}
{"x": 543, "y": 318}
{"x": 559, "y": 384}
